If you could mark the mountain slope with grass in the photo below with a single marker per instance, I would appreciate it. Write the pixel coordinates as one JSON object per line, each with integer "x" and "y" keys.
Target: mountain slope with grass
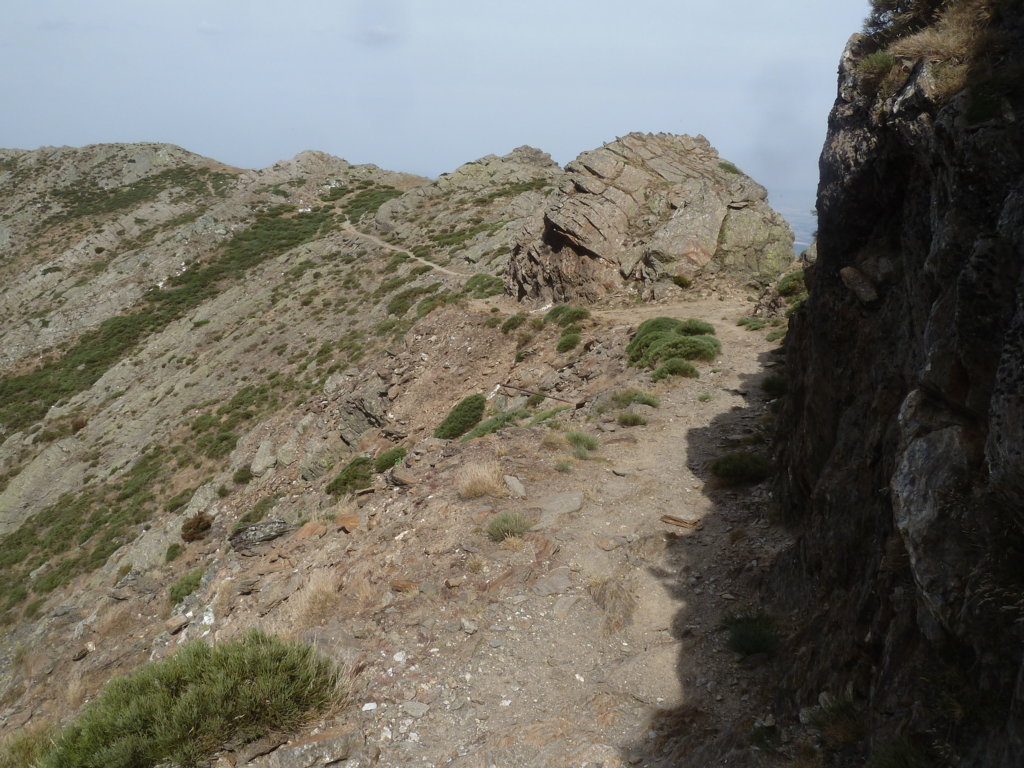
{"x": 223, "y": 397}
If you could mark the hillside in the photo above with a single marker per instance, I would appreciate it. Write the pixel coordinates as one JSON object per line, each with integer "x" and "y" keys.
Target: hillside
{"x": 201, "y": 364}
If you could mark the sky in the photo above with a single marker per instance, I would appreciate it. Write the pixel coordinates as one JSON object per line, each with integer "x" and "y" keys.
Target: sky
{"x": 425, "y": 85}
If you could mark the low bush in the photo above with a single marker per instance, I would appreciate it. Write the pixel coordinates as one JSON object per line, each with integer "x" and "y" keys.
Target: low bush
{"x": 791, "y": 284}
{"x": 740, "y": 468}
{"x": 181, "y": 710}
{"x": 480, "y": 479}
{"x": 196, "y": 527}
{"x": 242, "y": 475}
{"x": 513, "y": 322}
{"x": 494, "y": 423}
{"x": 353, "y": 477}
{"x": 465, "y": 415}
{"x": 624, "y": 398}
{"x": 566, "y": 314}
{"x": 173, "y": 552}
{"x": 751, "y": 323}
{"x": 388, "y": 459}
{"x": 506, "y": 524}
{"x": 582, "y": 441}
{"x": 675, "y": 366}
{"x": 751, "y": 631}
{"x": 185, "y": 586}
{"x": 631, "y": 419}
{"x": 662, "y": 338}
{"x": 567, "y": 342}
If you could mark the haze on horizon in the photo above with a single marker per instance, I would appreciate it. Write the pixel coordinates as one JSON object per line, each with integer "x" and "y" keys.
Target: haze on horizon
{"x": 423, "y": 88}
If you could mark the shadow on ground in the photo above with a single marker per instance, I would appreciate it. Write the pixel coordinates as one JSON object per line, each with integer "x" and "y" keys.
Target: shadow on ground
{"x": 713, "y": 570}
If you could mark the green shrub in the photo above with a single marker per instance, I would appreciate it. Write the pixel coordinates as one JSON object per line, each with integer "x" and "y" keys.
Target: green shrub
{"x": 368, "y": 201}
{"x": 751, "y": 323}
{"x": 626, "y": 397}
{"x": 582, "y": 441}
{"x": 567, "y": 342}
{"x": 662, "y": 338}
{"x": 494, "y": 423}
{"x": 353, "y": 477}
{"x": 728, "y": 167}
{"x": 25, "y": 749}
{"x": 181, "y": 710}
{"x": 185, "y": 586}
{"x": 704, "y": 397}
{"x": 791, "y": 284}
{"x": 462, "y": 417}
{"x": 173, "y": 552}
{"x": 242, "y": 475}
{"x": 566, "y": 314}
{"x": 563, "y": 466}
{"x": 675, "y": 366}
{"x": 389, "y": 459}
{"x": 513, "y": 322}
{"x": 775, "y": 335}
{"x": 631, "y": 420}
{"x": 256, "y": 513}
{"x": 681, "y": 281}
{"x": 482, "y": 286}
{"x": 492, "y": 322}
{"x": 740, "y": 468}
{"x": 751, "y": 631}
{"x": 505, "y": 524}
{"x": 875, "y": 66}
{"x": 545, "y": 415}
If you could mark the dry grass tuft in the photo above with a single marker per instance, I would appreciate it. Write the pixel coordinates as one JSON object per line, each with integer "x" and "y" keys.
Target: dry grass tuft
{"x": 480, "y": 479}
{"x": 318, "y": 599}
{"x": 955, "y": 36}
{"x": 616, "y": 598}
{"x": 358, "y": 587}
{"x": 553, "y": 441}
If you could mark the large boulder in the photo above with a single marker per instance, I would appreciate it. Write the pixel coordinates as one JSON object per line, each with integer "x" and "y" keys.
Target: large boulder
{"x": 643, "y": 207}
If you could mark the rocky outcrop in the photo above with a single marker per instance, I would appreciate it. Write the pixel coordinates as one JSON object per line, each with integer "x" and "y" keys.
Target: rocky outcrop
{"x": 645, "y": 207}
{"x": 902, "y": 438}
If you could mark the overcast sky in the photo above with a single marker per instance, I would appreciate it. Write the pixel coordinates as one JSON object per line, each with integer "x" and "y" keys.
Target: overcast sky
{"x": 425, "y": 85}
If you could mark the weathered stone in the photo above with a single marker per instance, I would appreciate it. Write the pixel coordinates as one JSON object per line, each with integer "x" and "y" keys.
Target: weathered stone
{"x": 328, "y": 748}
{"x": 252, "y": 535}
{"x": 554, "y": 583}
{"x": 264, "y": 460}
{"x": 515, "y": 487}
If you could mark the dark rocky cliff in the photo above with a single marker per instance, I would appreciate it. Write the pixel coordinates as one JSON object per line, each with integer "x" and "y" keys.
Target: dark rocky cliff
{"x": 903, "y": 435}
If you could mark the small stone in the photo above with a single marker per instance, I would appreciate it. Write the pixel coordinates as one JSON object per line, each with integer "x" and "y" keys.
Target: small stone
{"x": 347, "y": 523}
{"x": 401, "y": 476}
{"x": 175, "y": 624}
{"x": 454, "y": 581}
{"x": 554, "y": 584}
{"x": 415, "y": 708}
{"x": 515, "y": 487}
{"x": 469, "y": 627}
{"x": 311, "y": 530}
{"x": 614, "y": 542}
{"x": 369, "y": 706}
{"x": 620, "y": 472}
{"x": 403, "y": 585}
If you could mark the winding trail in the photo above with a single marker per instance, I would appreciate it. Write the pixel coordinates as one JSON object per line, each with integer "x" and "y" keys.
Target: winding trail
{"x": 348, "y": 228}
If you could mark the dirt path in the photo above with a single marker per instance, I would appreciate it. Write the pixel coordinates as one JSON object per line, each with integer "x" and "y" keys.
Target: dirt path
{"x": 597, "y": 641}
{"x": 347, "y": 227}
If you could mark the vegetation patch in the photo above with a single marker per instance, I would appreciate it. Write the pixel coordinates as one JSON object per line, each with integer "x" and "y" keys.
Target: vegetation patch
{"x": 368, "y": 201}
{"x": 462, "y": 417}
{"x": 388, "y": 459}
{"x": 751, "y": 323}
{"x": 196, "y": 527}
{"x": 185, "y": 586}
{"x": 728, "y": 167}
{"x": 630, "y": 419}
{"x": 740, "y": 468}
{"x": 675, "y": 366}
{"x": 567, "y": 342}
{"x": 624, "y": 398}
{"x": 751, "y": 631}
{"x": 483, "y": 286}
{"x": 566, "y": 314}
{"x": 495, "y": 423}
{"x": 582, "y": 443}
{"x": 181, "y": 710}
{"x": 25, "y": 399}
{"x": 480, "y": 479}
{"x": 508, "y": 524}
{"x": 663, "y": 338}
{"x": 355, "y": 476}
{"x": 513, "y": 322}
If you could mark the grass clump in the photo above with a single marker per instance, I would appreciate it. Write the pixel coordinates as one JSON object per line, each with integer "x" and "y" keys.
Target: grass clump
{"x": 751, "y": 631}
{"x": 185, "y": 586}
{"x": 353, "y": 477}
{"x": 465, "y": 415}
{"x": 513, "y": 322}
{"x": 242, "y": 475}
{"x": 483, "y": 286}
{"x": 180, "y": 711}
{"x": 624, "y": 398}
{"x": 631, "y": 420}
{"x": 545, "y": 415}
{"x": 791, "y": 284}
{"x": 388, "y": 459}
{"x": 567, "y": 342}
{"x": 751, "y": 323}
{"x": 728, "y": 167}
{"x": 173, "y": 552}
{"x": 740, "y": 468}
{"x": 675, "y": 366}
{"x": 581, "y": 441}
{"x": 196, "y": 527}
{"x": 494, "y": 423}
{"x": 480, "y": 479}
{"x": 508, "y": 524}
{"x": 662, "y": 338}
{"x": 566, "y": 314}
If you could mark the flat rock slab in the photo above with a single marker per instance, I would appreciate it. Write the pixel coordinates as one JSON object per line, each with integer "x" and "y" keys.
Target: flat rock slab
{"x": 553, "y": 507}
{"x": 328, "y": 748}
{"x": 554, "y": 583}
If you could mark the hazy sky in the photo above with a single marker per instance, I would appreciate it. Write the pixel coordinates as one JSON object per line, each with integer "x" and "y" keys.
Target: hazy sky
{"x": 425, "y": 85}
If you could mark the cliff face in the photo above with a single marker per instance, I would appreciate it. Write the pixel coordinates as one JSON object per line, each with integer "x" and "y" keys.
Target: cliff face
{"x": 903, "y": 435}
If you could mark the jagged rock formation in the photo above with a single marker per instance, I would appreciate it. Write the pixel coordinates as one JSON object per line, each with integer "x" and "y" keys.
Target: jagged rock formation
{"x": 903, "y": 435}
{"x": 645, "y": 207}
